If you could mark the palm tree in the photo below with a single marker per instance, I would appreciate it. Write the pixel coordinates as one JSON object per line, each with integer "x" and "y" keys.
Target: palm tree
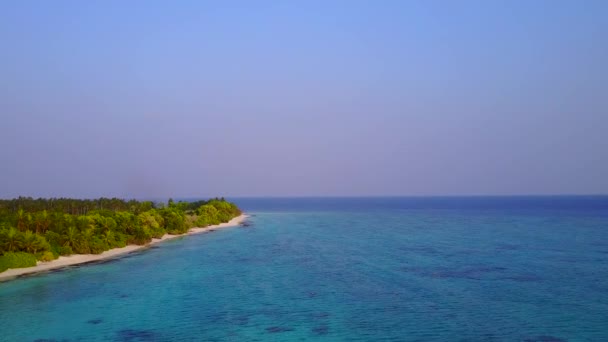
{"x": 84, "y": 241}
{"x": 109, "y": 238}
{"x": 33, "y": 243}
{"x": 21, "y": 220}
{"x": 11, "y": 240}
{"x": 70, "y": 237}
{"x": 106, "y": 223}
{"x": 42, "y": 222}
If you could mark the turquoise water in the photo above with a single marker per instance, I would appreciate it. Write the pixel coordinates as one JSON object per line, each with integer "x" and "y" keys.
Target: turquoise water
{"x": 394, "y": 269}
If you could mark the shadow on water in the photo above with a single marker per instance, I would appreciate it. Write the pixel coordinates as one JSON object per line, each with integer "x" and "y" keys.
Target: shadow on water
{"x": 320, "y": 330}
{"x": 274, "y": 330}
{"x": 544, "y": 338}
{"x": 471, "y": 273}
{"x": 132, "y": 335}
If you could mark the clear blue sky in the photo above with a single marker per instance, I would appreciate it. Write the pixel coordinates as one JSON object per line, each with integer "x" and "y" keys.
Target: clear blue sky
{"x": 198, "y": 98}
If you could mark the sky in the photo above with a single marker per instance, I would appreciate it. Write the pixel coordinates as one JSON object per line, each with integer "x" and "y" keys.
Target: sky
{"x": 145, "y": 99}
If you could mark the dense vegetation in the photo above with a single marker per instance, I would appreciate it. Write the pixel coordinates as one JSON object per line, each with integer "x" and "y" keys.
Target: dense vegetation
{"x": 43, "y": 229}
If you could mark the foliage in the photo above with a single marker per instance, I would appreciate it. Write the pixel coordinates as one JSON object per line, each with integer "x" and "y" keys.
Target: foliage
{"x": 46, "y": 256}
{"x": 16, "y": 260}
{"x": 48, "y": 228}
{"x": 153, "y": 222}
{"x": 207, "y": 215}
{"x": 175, "y": 220}
{"x": 65, "y": 250}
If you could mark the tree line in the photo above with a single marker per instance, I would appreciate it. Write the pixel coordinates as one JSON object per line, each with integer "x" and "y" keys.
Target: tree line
{"x": 44, "y": 229}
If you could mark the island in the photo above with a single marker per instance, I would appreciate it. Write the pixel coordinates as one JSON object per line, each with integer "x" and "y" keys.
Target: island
{"x": 41, "y": 234}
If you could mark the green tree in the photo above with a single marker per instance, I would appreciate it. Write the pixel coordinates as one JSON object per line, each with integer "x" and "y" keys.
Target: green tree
{"x": 175, "y": 222}
{"x": 42, "y": 221}
{"x": 11, "y": 240}
{"x": 152, "y": 222}
{"x": 21, "y": 219}
{"x": 34, "y": 243}
{"x": 109, "y": 238}
{"x": 207, "y": 215}
{"x": 70, "y": 237}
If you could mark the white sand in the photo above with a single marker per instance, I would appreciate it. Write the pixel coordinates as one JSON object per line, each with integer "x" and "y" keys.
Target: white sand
{"x": 76, "y": 259}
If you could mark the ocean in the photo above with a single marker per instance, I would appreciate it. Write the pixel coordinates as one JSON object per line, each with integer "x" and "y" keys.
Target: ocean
{"x": 343, "y": 269}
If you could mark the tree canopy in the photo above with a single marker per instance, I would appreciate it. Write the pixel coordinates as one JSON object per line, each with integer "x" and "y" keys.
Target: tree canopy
{"x": 43, "y": 229}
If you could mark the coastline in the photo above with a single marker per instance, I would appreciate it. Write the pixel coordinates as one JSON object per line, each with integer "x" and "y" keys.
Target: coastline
{"x": 77, "y": 259}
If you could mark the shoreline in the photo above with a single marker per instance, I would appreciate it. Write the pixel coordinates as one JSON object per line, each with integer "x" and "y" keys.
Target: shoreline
{"x": 77, "y": 259}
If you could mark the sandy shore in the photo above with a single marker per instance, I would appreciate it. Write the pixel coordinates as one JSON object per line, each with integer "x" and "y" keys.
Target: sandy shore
{"x": 85, "y": 258}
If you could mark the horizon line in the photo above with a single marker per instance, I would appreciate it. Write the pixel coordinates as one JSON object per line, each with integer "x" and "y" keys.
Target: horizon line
{"x": 151, "y": 198}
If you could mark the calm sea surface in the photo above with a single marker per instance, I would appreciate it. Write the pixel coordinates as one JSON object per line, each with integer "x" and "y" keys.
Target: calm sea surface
{"x": 358, "y": 269}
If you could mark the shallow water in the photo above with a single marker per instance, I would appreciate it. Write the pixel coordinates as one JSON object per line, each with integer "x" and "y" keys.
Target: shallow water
{"x": 393, "y": 269}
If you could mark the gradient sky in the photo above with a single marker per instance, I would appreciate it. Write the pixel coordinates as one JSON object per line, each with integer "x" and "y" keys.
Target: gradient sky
{"x": 280, "y": 98}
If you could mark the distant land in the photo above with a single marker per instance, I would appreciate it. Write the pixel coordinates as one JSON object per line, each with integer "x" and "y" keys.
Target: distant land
{"x": 42, "y": 234}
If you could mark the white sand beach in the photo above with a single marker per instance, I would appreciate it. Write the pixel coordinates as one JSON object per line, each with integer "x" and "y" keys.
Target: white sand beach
{"x": 76, "y": 259}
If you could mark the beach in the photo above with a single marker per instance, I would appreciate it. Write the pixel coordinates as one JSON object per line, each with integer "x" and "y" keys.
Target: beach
{"x": 77, "y": 259}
